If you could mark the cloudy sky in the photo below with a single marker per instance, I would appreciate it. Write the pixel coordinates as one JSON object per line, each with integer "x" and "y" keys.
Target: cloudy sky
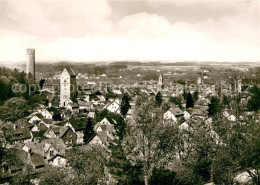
{"x": 105, "y": 30}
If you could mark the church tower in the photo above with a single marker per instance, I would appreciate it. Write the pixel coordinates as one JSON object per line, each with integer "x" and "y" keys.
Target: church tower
{"x": 68, "y": 86}
{"x": 199, "y": 81}
{"x": 160, "y": 82}
{"x": 239, "y": 86}
{"x": 30, "y": 63}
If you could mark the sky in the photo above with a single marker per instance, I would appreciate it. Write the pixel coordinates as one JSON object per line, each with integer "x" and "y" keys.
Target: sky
{"x": 140, "y": 30}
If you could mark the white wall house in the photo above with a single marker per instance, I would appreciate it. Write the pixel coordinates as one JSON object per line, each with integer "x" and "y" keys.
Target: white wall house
{"x": 58, "y": 161}
{"x": 168, "y": 115}
{"x": 113, "y": 107}
{"x": 34, "y": 119}
{"x": 186, "y": 115}
{"x": 46, "y": 114}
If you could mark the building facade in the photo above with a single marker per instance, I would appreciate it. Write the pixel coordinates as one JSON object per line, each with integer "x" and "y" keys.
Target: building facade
{"x": 68, "y": 86}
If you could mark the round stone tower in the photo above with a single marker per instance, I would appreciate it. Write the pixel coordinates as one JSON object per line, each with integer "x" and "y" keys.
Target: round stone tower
{"x": 30, "y": 63}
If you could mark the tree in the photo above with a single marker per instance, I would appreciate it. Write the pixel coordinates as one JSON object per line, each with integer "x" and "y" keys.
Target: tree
{"x": 54, "y": 176}
{"x": 189, "y": 101}
{"x": 176, "y": 100}
{"x": 120, "y": 128}
{"x": 226, "y": 101}
{"x": 196, "y": 149}
{"x": 147, "y": 142}
{"x": 185, "y": 94}
{"x": 125, "y": 105}
{"x": 89, "y": 130}
{"x": 118, "y": 164}
{"x": 87, "y": 165}
{"x": 238, "y": 148}
{"x": 14, "y": 109}
{"x": 9, "y": 156}
{"x": 254, "y": 102}
{"x": 165, "y": 107}
{"x": 196, "y": 96}
{"x": 215, "y": 106}
{"x": 158, "y": 99}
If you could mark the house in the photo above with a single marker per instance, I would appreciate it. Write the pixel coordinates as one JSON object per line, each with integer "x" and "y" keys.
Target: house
{"x": 53, "y": 132}
{"x": 23, "y": 135}
{"x": 184, "y": 126}
{"x": 173, "y": 114}
{"x": 48, "y": 85}
{"x": 77, "y": 125}
{"x": 38, "y": 126}
{"x": 230, "y": 115}
{"x": 67, "y": 102}
{"x": 113, "y": 107}
{"x": 130, "y": 116}
{"x": 46, "y": 113}
{"x": 53, "y": 147}
{"x": 23, "y": 124}
{"x": 38, "y": 118}
{"x": 186, "y": 115}
{"x": 52, "y": 101}
{"x": 101, "y": 98}
{"x": 85, "y": 105}
{"x": 102, "y": 137}
{"x": 104, "y": 131}
{"x": 201, "y": 104}
{"x": 92, "y": 115}
{"x": 48, "y": 148}
{"x": 35, "y": 118}
{"x": 58, "y": 161}
{"x": 157, "y": 112}
{"x": 117, "y": 92}
{"x": 36, "y": 160}
{"x": 68, "y": 136}
{"x": 97, "y": 140}
{"x": 199, "y": 113}
{"x": 73, "y": 107}
{"x": 38, "y": 135}
{"x": 168, "y": 115}
{"x": 65, "y": 133}
{"x": 107, "y": 121}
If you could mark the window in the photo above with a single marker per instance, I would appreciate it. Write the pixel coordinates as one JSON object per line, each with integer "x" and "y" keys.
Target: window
{"x": 51, "y": 153}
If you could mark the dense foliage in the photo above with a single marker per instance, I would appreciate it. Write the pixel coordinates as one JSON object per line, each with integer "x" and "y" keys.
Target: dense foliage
{"x": 125, "y": 105}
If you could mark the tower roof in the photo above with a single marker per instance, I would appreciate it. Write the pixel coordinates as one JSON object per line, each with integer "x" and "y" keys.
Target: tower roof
{"x": 70, "y": 71}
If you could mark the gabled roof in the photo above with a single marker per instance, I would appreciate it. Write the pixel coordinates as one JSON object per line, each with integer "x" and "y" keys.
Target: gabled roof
{"x": 111, "y": 120}
{"x": 70, "y": 71}
{"x": 78, "y": 123}
{"x": 176, "y": 111}
{"x": 37, "y": 160}
{"x": 63, "y": 130}
{"x": 74, "y": 105}
{"x": 23, "y": 124}
{"x": 201, "y": 102}
{"x": 84, "y": 103}
{"x": 55, "y": 129}
{"x": 198, "y": 112}
{"x": 36, "y": 147}
{"x": 58, "y": 144}
{"x": 20, "y": 134}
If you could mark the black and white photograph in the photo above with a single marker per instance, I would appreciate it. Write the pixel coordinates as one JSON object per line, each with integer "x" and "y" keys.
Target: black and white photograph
{"x": 129, "y": 92}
